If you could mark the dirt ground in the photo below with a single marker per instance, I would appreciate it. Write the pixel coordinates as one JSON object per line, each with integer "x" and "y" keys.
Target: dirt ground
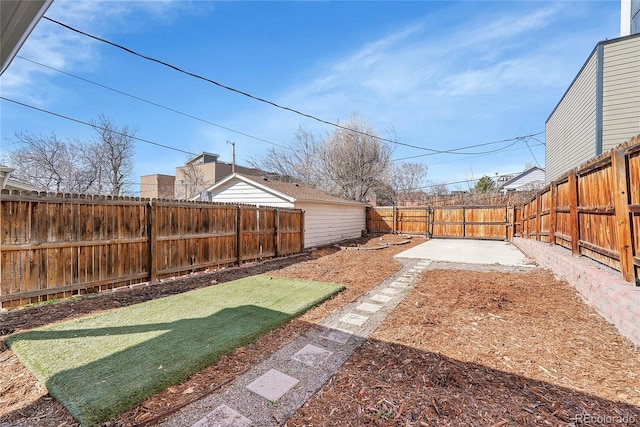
{"x": 467, "y": 347}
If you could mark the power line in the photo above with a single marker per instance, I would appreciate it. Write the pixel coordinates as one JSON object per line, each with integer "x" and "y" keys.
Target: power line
{"x": 149, "y": 102}
{"x": 531, "y": 151}
{"x": 197, "y": 76}
{"x": 481, "y": 155}
{"x": 240, "y": 92}
{"x": 456, "y": 150}
{"x": 168, "y": 147}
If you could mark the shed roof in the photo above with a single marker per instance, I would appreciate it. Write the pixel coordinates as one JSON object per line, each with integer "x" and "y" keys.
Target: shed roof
{"x": 287, "y": 190}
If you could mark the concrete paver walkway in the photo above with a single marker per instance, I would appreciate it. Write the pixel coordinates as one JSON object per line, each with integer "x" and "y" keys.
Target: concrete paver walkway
{"x": 273, "y": 390}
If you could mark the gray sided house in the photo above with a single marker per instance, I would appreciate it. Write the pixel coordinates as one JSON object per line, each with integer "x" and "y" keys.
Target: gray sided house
{"x": 599, "y": 111}
{"x": 327, "y": 219}
{"x": 531, "y": 178}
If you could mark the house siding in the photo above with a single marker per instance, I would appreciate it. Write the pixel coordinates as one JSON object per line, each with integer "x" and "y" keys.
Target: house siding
{"x": 621, "y": 92}
{"x": 536, "y": 175}
{"x": 242, "y": 192}
{"x": 571, "y": 128}
{"x": 329, "y": 223}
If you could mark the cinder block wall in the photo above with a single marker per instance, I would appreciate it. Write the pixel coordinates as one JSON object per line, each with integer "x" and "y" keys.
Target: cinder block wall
{"x": 616, "y": 300}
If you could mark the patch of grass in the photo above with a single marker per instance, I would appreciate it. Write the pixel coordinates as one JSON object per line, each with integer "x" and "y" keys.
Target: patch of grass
{"x": 99, "y": 366}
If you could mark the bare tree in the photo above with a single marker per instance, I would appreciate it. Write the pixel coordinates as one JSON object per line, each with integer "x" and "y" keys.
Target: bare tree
{"x": 438, "y": 189}
{"x": 407, "y": 181}
{"x": 355, "y": 160}
{"x": 100, "y": 166}
{"x": 192, "y": 181}
{"x": 51, "y": 164}
{"x": 297, "y": 160}
{"x": 116, "y": 148}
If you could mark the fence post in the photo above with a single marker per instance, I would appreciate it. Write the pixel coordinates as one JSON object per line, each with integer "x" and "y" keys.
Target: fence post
{"x": 152, "y": 235}
{"x": 301, "y": 231}
{"x": 508, "y": 224}
{"x": 277, "y": 225}
{"x": 464, "y": 222}
{"x": 620, "y": 179}
{"x": 538, "y": 216}
{"x": 239, "y": 234}
{"x": 553, "y": 188}
{"x": 573, "y": 212}
{"x": 429, "y": 230}
{"x": 393, "y": 227}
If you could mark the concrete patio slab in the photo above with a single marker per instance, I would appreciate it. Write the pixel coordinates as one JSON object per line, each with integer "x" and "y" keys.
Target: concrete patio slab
{"x": 272, "y": 385}
{"x": 223, "y": 416}
{"x": 311, "y": 355}
{"x": 468, "y": 251}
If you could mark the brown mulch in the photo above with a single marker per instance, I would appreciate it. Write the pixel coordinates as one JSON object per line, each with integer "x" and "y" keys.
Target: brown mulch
{"x": 463, "y": 348}
{"x": 23, "y": 401}
{"x": 485, "y": 349}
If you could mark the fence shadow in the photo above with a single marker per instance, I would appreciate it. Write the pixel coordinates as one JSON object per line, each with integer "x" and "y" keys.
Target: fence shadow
{"x": 160, "y": 355}
{"x": 415, "y": 385}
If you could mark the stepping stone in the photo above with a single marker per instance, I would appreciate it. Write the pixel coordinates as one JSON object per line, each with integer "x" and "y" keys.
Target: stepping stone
{"x": 404, "y": 279}
{"x": 272, "y": 385}
{"x": 390, "y": 291}
{"x": 311, "y": 355}
{"x": 381, "y": 298}
{"x": 336, "y": 335}
{"x": 399, "y": 285}
{"x": 354, "y": 319}
{"x": 371, "y": 308}
{"x": 223, "y": 416}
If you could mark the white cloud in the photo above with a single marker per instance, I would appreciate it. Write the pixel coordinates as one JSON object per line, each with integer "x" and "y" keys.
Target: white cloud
{"x": 415, "y": 72}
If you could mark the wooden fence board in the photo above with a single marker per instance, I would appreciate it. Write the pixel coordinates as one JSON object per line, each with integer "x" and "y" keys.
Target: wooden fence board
{"x": 595, "y": 210}
{"x": 58, "y": 246}
{"x": 482, "y": 222}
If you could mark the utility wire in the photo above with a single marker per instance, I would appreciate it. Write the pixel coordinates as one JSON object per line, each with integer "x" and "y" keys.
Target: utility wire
{"x": 531, "y": 151}
{"x": 431, "y": 151}
{"x": 197, "y": 76}
{"x": 481, "y": 155}
{"x": 149, "y": 102}
{"x": 456, "y": 150}
{"x": 229, "y": 88}
{"x": 168, "y": 147}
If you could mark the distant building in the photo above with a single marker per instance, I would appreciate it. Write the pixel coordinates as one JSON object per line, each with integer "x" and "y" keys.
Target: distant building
{"x": 532, "y": 178}
{"x": 629, "y": 17}
{"x": 157, "y": 186}
{"x": 327, "y": 218}
{"x": 197, "y": 174}
{"x": 8, "y": 183}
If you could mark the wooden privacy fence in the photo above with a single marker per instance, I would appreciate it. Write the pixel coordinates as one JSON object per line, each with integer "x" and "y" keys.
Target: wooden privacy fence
{"x": 593, "y": 210}
{"x": 58, "y": 246}
{"x": 463, "y": 222}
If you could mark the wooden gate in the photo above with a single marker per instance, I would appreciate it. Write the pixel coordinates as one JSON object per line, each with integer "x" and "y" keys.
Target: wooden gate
{"x": 459, "y": 222}
{"x": 469, "y": 222}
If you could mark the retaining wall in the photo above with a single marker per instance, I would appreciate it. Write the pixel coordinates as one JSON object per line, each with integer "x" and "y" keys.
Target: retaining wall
{"x": 603, "y": 288}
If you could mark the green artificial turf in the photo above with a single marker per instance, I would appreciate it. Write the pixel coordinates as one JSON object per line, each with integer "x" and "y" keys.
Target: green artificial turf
{"x": 99, "y": 366}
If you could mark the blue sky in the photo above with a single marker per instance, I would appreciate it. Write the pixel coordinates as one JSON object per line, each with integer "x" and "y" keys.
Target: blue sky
{"x": 438, "y": 75}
